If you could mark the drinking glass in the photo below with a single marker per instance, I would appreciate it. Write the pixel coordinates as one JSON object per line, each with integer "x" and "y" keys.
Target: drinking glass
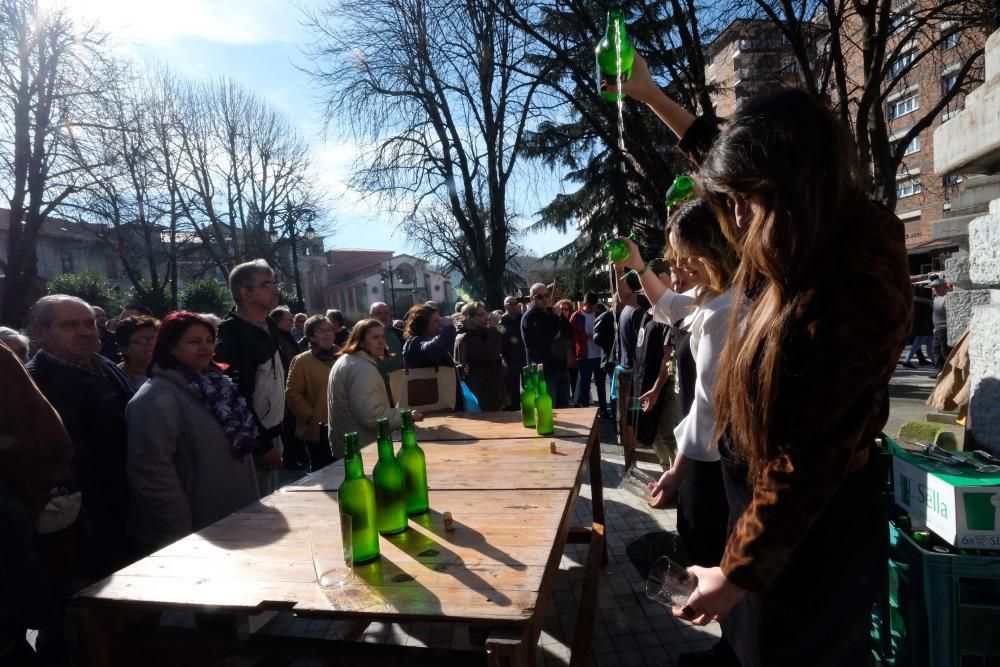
{"x": 637, "y": 481}
{"x": 669, "y": 583}
{"x": 332, "y": 553}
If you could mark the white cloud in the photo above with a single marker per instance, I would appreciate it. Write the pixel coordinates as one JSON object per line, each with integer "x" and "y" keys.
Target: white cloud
{"x": 161, "y": 22}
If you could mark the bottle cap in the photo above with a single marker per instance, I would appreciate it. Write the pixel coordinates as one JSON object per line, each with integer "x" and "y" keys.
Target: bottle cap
{"x": 449, "y": 523}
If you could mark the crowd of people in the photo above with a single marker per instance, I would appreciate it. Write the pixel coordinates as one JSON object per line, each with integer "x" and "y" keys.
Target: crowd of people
{"x": 754, "y": 357}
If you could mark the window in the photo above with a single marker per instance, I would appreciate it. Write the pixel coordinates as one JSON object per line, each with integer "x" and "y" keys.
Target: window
{"x": 903, "y": 106}
{"x": 948, "y": 82}
{"x": 908, "y": 187}
{"x": 911, "y": 148}
{"x": 67, "y": 263}
{"x": 902, "y": 18}
{"x": 952, "y": 180}
{"x": 950, "y": 41}
{"x": 899, "y": 64}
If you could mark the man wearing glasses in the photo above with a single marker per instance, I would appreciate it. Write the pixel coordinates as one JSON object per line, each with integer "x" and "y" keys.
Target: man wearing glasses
{"x": 248, "y": 344}
{"x": 540, "y": 328}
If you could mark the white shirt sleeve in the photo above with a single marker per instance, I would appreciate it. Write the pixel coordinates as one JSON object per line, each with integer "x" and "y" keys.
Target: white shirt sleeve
{"x": 673, "y": 306}
{"x": 695, "y": 433}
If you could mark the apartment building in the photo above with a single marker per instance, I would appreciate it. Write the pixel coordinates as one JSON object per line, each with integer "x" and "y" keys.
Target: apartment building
{"x": 750, "y": 57}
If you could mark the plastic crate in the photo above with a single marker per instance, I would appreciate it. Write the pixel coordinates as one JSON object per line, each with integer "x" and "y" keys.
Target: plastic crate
{"x": 941, "y": 609}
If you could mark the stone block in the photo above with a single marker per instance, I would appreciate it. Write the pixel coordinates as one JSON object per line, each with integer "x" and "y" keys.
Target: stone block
{"x": 984, "y": 361}
{"x": 959, "y": 305}
{"x": 951, "y": 227}
{"x": 957, "y": 269}
{"x": 984, "y": 247}
{"x": 969, "y": 142}
{"x": 993, "y": 55}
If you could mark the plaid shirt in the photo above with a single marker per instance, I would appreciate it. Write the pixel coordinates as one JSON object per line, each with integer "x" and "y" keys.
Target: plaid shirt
{"x": 90, "y": 368}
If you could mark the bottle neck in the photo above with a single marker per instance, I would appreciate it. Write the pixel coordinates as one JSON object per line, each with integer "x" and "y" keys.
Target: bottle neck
{"x": 353, "y": 467}
{"x": 385, "y": 449}
{"x": 408, "y": 439}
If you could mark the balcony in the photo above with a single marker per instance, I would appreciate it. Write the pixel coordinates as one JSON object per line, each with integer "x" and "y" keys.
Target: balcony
{"x": 755, "y": 75}
{"x": 748, "y": 47}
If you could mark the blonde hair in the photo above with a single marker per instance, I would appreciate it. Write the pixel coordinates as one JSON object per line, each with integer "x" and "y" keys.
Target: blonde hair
{"x": 698, "y": 234}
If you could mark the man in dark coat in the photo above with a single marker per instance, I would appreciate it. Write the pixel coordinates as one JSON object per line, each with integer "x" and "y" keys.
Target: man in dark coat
{"x": 541, "y": 330}
{"x": 90, "y": 394}
{"x": 248, "y": 344}
{"x": 512, "y": 349}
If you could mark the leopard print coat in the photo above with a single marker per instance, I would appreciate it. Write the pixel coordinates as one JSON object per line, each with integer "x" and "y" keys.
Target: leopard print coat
{"x": 834, "y": 398}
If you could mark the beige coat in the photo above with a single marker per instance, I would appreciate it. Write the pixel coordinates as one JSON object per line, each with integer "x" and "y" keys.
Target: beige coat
{"x": 357, "y": 398}
{"x": 305, "y": 394}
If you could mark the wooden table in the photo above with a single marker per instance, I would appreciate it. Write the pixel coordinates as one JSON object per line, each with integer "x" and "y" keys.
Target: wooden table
{"x": 512, "y": 502}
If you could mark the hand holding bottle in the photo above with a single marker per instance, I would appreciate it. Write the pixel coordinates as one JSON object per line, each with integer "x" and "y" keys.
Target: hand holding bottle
{"x": 633, "y": 260}
{"x": 640, "y": 86}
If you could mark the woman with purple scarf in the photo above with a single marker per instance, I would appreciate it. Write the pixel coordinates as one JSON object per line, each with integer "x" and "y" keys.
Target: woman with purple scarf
{"x": 190, "y": 434}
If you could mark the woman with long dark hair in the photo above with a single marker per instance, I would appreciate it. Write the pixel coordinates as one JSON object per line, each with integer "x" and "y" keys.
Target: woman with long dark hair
{"x": 823, "y": 308}
{"x": 190, "y": 435}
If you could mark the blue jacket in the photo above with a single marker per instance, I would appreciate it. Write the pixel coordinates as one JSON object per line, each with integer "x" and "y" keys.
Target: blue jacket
{"x": 420, "y": 352}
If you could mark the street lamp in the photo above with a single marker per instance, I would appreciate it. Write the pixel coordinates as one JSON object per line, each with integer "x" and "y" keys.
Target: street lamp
{"x": 390, "y": 275}
{"x": 293, "y": 215}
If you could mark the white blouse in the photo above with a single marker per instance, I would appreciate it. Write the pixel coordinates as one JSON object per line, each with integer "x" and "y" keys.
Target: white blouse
{"x": 708, "y": 325}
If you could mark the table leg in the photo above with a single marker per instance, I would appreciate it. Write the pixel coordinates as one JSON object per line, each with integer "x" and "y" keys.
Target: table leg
{"x": 597, "y": 489}
{"x": 583, "y": 632}
{"x": 509, "y": 648}
{"x": 90, "y": 633}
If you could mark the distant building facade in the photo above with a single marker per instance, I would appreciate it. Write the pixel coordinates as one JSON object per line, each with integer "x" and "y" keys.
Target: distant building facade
{"x": 750, "y": 57}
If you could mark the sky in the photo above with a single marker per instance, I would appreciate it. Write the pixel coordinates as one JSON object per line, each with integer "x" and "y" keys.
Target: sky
{"x": 259, "y": 43}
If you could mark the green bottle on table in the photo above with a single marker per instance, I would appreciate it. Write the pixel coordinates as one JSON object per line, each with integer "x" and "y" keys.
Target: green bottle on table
{"x": 527, "y": 398}
{"x": 617, "y": 250}
{"x": 356, "y": 497}
{"x": 543, "y": 405}
{"x": 390, "y": 488}
{"x": 615, "y": 56}
{"x": 411, "y": 459}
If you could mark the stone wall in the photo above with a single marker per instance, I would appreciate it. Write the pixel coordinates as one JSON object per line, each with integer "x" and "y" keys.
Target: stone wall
{"x": 970, "y": 144}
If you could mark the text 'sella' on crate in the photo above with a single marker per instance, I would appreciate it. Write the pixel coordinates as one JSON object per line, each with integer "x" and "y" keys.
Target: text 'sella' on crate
{"x": 959, "y": 504}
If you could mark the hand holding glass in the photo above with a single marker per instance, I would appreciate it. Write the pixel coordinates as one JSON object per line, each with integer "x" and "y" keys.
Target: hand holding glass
{"x": 669, "y": 584}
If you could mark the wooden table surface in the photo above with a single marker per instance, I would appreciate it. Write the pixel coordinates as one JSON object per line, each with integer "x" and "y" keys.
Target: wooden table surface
{"x": 510, "y": 497}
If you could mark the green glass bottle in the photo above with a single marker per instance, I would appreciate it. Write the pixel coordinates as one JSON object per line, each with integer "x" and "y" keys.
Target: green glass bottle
{"x": 390, "y": 489}
{"x": 411, "y": 459}
{"x": 614, "y": 55}
{"x": 617, "y": 250}
{"x": 527, "y": 398}
{"x": 356, "y": 497}
{"x": 543, "y": 405}
{"x": 680, "y": 190}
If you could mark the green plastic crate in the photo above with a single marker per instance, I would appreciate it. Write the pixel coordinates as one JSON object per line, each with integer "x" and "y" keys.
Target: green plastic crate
{"x": 941, "y": 609}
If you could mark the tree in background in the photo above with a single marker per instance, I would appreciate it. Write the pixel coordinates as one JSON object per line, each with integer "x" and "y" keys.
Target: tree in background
{"x": 622, "y": 177}
{"x": 442, "y": 95}
{"x": 206, "y": 295}
{"x": 863, "y": 53}
{"x": 90, "y": 286}
{"x": 51, "y": 71}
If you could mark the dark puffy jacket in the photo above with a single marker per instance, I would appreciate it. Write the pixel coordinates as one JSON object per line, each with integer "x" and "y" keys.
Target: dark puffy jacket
{"x": 243, "y": 346}
{"x": 478, "y": 350}
{"x": 420, "y": 352}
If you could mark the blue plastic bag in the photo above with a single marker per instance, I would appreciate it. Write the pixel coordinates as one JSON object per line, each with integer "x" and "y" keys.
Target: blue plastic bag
{"x": 471, "y": 402}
